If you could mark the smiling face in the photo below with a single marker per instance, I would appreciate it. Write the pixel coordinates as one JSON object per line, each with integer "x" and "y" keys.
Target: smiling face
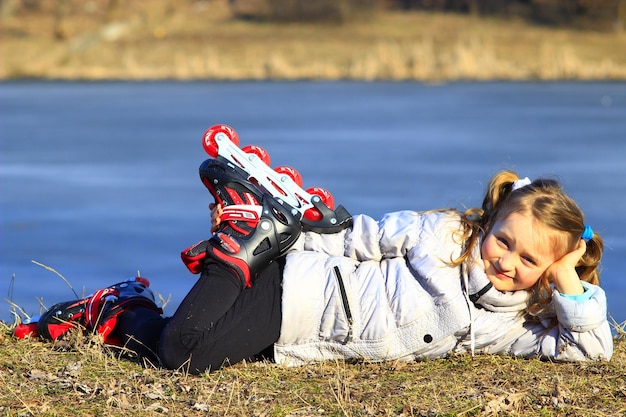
{"x": 516, "y": 252}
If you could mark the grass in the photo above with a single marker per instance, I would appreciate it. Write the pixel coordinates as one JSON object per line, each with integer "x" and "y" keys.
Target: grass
{"x": 79, "y": 377}
{"x": 200, "y": 40}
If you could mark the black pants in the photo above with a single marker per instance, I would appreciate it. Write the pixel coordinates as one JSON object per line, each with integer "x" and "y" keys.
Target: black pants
{"x": 220, "y": 322}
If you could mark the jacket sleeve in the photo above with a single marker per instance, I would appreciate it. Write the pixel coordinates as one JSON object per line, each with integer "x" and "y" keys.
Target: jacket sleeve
{"x": 394, "y": 235}
{"x": 368, "y": 240}
{"x": 397, "y": 234}
{"x": 577, "y": 331}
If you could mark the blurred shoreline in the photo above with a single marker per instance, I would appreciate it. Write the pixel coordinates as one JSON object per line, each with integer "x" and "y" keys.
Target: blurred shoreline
{"x": 202, "y": 41}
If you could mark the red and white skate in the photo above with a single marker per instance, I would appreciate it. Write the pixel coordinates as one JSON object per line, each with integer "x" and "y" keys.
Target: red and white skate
{"x": 315, "y": 205}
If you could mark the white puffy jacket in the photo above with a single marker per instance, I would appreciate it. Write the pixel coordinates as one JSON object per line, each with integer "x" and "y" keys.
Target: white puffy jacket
{"x": 384, "y": 291}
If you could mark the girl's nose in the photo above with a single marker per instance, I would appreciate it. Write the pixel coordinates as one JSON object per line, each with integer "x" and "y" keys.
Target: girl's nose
{"x": 506, "y": 263}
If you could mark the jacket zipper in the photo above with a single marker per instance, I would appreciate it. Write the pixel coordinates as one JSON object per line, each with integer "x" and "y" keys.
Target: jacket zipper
{"x": 346, "y": 305}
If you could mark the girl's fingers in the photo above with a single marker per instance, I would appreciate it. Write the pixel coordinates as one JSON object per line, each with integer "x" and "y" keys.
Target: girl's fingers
{"x": 216, "y": 214}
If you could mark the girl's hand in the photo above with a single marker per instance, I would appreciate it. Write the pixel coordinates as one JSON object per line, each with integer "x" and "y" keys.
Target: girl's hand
{"x": 216, "y": 214}
{"x": 563, "y": 273}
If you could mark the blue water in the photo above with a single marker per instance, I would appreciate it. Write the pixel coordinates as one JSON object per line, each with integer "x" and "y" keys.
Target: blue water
{"x": 99, "y": 180}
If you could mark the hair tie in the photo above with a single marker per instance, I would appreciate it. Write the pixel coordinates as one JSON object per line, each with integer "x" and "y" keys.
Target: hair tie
{"x": 587, "y": 233}
{"x": 520, "y": 183}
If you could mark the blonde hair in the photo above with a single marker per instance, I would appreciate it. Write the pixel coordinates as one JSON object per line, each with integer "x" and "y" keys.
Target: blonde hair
{"x": 545, "y": 200}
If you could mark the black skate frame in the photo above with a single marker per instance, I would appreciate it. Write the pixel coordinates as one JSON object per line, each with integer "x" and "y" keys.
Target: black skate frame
{"x": 332, "y": 221}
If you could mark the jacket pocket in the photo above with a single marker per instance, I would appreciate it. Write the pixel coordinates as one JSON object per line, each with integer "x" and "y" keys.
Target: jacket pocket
{"x": 345, "y": 304}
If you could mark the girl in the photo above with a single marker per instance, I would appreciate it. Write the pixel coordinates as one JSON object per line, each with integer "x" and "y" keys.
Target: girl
{"x": 517, "y": 277}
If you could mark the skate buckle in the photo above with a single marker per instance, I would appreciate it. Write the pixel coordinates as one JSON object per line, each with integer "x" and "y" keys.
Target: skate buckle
{"x": 228, "y": 243}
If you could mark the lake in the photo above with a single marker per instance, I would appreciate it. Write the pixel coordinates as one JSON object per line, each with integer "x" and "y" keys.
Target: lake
{"x": 99, "y": 180}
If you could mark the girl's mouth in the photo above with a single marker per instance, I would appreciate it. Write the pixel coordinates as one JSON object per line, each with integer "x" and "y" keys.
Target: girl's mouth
{"x": 499, "y": 273}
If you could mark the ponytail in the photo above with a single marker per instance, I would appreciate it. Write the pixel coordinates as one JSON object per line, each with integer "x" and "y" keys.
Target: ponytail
{"x": 588, "y": 269}
{"x": 498, "y": 190}
{"x": 477, "y": 221}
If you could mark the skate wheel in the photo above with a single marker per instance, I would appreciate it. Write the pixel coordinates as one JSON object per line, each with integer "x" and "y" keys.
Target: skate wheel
{"x": 313, "y": 214}
{"x": 324, "y": 194}
{"x": 258, "y": 151}
{"x": 208, "y": 139}
{"x": 291, "y": 173}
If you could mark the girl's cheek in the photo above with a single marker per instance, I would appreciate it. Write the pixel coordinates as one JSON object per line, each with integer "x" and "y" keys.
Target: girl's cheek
{"x": 486, "y": 248}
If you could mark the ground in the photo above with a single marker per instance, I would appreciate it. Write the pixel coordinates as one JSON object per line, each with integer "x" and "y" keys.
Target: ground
{"x": 79, "y": 377}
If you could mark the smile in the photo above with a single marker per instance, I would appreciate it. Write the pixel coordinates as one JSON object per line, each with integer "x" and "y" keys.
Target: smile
{"x": 499, "y": 273}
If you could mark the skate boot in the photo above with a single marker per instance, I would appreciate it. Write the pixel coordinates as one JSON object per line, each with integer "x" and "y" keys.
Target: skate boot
{"x": 96, "y": 313}
{"x": 277, "y": 230}
{"x": 238, "y": 177}
{"x": 241, "y": 206}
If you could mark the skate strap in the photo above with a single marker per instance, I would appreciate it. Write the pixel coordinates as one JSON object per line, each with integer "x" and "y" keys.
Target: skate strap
{"x": 95, "y": 305}
{"x": 193, "y": 256}
{"x": 240, "y": 212}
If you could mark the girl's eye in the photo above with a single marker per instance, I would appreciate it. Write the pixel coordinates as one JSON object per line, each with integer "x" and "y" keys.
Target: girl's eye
{"x": 502, "y": 241}
{"x": 529, "y": 260}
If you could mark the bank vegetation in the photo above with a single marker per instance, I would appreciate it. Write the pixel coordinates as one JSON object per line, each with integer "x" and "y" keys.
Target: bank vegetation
{"x": 429, "y": 41}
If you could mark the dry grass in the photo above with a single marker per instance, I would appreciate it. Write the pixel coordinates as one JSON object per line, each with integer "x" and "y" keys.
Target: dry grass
{"x": 78, "y": 378}
{"x": 200, "y": 40}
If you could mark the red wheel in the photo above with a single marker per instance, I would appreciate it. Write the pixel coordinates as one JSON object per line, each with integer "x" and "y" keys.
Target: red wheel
{"x": 258, "y": 151}
{"x": 327, "y": 198}
{"x": 291, "y": 173}
{"x": 208, "y": 139}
